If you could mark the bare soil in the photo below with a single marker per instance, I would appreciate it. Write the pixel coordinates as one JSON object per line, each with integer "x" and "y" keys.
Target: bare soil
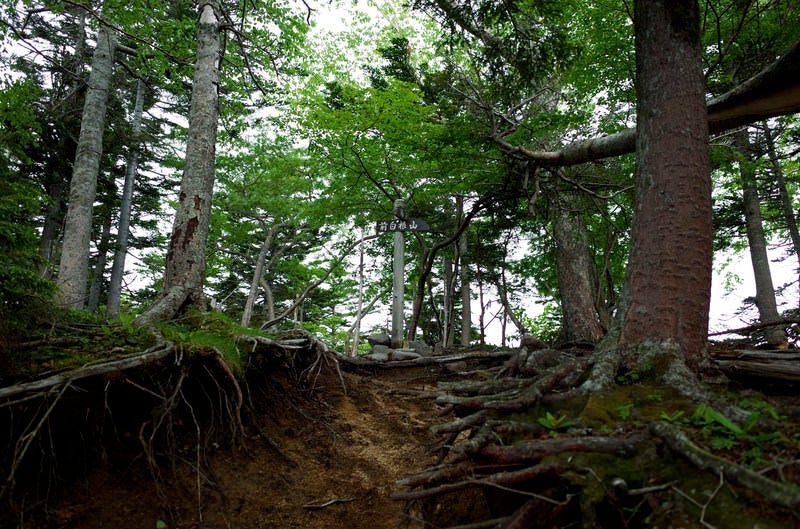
{"x": 323, "y": 456}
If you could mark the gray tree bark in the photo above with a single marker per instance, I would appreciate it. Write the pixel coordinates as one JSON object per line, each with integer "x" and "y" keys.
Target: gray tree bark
{"x": 258, "y": 275}
{"x": 99, "y": 266}
{"x": 74, "y": 264}
{"x": 466, "y": 293}
{"x": 757, "y": 243}
{"x": 775, "y": 91}
{"x": 126, "y": 204}
{"x": 786, "y": 201}
{"x": 58, "y": 168}
{"x": 185, "y": 266}
{"x": 577, "y": 273}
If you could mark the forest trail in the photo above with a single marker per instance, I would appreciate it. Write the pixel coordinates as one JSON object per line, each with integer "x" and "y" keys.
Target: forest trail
{"x": 328, "y": 456}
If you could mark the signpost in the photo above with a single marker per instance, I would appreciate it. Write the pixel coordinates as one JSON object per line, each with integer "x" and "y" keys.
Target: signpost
{"x": 384, "y": 226}
{"x": 399, "y": 225}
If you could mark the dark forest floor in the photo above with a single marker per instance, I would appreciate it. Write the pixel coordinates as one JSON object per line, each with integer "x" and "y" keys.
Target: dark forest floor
{"x": 327, "y": 448}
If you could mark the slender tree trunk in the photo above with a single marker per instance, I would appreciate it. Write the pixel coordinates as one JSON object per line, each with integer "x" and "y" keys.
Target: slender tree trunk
{"x": 447, "y": 301}
{"x": 258, "y": 274}
{"x": 103, "y": 246}
{"x": 786, "y": 201}
{"x": 185, "y": 265}
{"x": 427, "y": 257}
{"x": 269, "y": 301}
{"x": 577, "y": 273}
{"x": 757, "y": 242}
{"x": 356, "y": 328}
{"x": 466, "y": 293}
{"x": 126, "y": 205}
{"x": 53, "y": 219}
{"x": 482, "y": 302}
{"x": 74, "y": 265}
{"x": 508, "y": 310}
{"x": 425, "y": 266}
{"x": 664, "y": 306}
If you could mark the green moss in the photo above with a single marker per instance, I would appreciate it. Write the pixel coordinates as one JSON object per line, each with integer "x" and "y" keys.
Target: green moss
{"x": 632, "y": 402}
{"x": 199, "y": 332}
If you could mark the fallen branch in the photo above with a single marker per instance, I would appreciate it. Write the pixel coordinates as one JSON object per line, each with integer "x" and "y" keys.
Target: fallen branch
{"x": 318, "y": 506}
{"x": 536, "y": 450}
{"x": 426, "y": 361}
{"x": 499, "y": 480}
{"x": 756, "y": 326}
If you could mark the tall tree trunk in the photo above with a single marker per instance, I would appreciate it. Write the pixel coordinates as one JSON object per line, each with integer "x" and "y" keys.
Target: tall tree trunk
{"x": 786, "y": 201}
{"x": 59, "y": 166}
{"x": 466, "y": 293}
{"x": 482, "y": 303}
{"x": 185, "y": 265}
{"x": 53, "y": 217}
{"x": 757, "y": 242}
{"x": 74, "y": 265}
{"x": 664, "y": 305}
{"x": 508, "y": 310}
{"x": 126, "y": 204}
{"x": 258, "y": 274}
{"x": 577, "y": 273}
{"x": 100, "y": 266}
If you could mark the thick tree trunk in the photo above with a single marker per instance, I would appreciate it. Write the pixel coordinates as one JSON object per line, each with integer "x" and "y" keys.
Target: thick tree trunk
{"x": 74, "y": 265}
{"x": 666, "y": 295}
{"x": 186, "y": 257}
{"x": 59, "y": 167}
{"x": 757, "y": 243}
{"x": 126, "y": 204}
{"x": 577, "y": 273}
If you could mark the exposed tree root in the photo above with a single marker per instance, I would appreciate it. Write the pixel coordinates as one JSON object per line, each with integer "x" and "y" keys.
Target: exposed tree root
{"x": 495, "y": 442}
{"x": 157, "y": 352}
{"x": 178, "y": 405}
{"x": 776, "y": 492}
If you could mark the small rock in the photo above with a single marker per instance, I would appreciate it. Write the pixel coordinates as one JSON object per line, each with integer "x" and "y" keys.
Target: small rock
{"x": 379, "y": 339}
{"x": 421, "y": 348}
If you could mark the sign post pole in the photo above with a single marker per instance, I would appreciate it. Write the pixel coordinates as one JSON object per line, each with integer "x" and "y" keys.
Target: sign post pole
{"x": 398, "y": 269}
{"x": 398, "y": 225}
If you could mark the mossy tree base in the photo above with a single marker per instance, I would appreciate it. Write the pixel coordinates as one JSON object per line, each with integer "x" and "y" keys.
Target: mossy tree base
{"x": 604, "y": 442}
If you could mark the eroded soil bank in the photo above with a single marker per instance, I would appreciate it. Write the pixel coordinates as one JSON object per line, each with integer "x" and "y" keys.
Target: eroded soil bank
{"x": 320, "y": 453}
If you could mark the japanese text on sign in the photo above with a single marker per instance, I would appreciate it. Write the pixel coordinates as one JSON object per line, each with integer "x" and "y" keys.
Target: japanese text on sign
{"x": 402, "y": 225}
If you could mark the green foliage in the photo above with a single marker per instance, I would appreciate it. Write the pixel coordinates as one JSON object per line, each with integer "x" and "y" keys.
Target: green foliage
{"x": 21, "y": 285}
{"x": 625, "y": 411}
{"x": 547, "y": 325}
{"x": 198, "y": 332}
{"x": 553, "y": 423}
{"x": 633, "y": 376}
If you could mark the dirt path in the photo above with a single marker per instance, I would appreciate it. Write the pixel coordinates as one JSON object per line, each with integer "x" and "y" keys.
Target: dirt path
{"x": 335, "y": 457}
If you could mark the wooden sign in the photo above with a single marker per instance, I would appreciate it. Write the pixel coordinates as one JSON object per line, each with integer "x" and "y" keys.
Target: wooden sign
{"x": 384, "y": 226}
